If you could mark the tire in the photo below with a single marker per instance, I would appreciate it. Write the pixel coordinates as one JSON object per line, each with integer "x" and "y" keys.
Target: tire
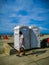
{"x": 44, "y": 43}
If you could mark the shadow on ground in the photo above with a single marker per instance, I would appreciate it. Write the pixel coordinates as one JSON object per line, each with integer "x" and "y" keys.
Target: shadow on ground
{"x": 37, "y": 52}
{"x": 14, "y": 51}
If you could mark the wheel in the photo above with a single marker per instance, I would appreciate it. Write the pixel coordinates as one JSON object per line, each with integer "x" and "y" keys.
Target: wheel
{"x": 43, "y": 43}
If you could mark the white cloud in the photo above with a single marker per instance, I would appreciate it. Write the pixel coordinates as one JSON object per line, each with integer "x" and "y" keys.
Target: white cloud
{"x": 39, "y": 14}
{"x": 8, "y": 26}
{"x": 25, "y": 5}
{"x": 24, "y": 20}
{"x": 22, "y": 5}
{"x": 42, "y": 28}
{"x": 12, "y": 15}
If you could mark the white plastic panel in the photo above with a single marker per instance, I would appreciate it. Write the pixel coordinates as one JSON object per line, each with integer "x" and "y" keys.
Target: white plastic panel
{"x": 16, "y": 39}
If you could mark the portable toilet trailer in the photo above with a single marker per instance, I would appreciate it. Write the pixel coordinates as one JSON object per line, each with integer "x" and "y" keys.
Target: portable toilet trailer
{"x": 25, "y": 31}
{"x": 34, "y": 37}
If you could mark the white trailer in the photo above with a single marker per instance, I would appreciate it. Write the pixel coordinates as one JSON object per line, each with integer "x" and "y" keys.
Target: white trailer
{"x": 31, "y": 39}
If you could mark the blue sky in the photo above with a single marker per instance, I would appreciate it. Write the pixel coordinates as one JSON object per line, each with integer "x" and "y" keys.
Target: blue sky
{"x": 24, "y": 12}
